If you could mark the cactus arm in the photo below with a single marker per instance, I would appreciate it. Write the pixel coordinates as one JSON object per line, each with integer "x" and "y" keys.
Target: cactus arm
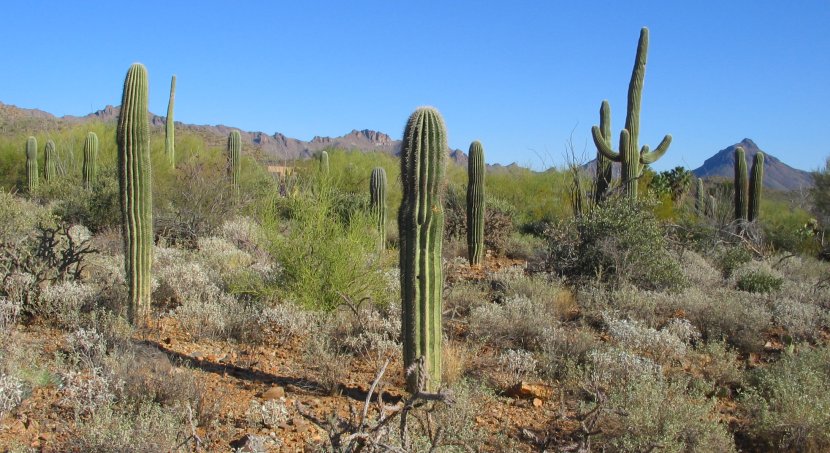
{"x": 602, "y": 145}
{"x": 647, "y": 157}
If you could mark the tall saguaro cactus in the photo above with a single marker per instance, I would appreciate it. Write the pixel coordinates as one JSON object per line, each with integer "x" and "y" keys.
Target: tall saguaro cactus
{"x": 31, "y": 164}
{"x": 756, "y": 187}
{"x": 324, "y": 163}
{"x": 135, "y": 181}
{"x": 631, "y": 158}
{"x": 741, "y": 186}
{"x": 50, "y": 162}
{"x": 90, "y": 165}
{"x": 170, "y": 127}
{"x": 234, "y": 161}
{"x": 377, "y": 201}
{"x": 421, "y": 227}
{"x": 604, "y": 168}
{"x": 475, "y": 204}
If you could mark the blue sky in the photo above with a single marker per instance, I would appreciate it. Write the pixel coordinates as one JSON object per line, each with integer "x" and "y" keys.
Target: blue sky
{"x": 519, "y": 76}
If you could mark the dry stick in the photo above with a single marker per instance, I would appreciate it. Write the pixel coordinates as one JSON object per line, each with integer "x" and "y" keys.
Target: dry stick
{"x": 369, "y": 396}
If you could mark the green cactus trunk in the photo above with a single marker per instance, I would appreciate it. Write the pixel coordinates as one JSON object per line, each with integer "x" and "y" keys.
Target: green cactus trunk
{"x": 605, "y": 167}
{"x": 377, "y": 202}
{"x": 31, "y": 164}
{"x": 90, "y": 165}
{"x": 421, "y": 228}
{"x": 50, "y": 162}
{"x": 475, "y": 204}
{"x": 234, "y": 161}
{"x": 700, "y": 198}
{"x": 135, "y": 181}
{"x": 630, "y": 156}
{"x": 170, "y": 127}
{"x": 741, "y": 186}
{"x": 324, "y": 163}
{"x": 756, "y": 187}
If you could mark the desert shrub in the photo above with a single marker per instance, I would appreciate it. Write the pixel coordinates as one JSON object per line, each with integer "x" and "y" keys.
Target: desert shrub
{"x": 802, "y": 321}
{"x": 563, "y": 349}
{"x": 269, "y": 414}
{"x": 283, "y": 322}
{"x": 498, "y": 220}
{"x": 732, "y": 258}
{"x": 665, "y": 344}
{"x": 64, "y": 304}
{"x": 518, "y": 322}
{"x": 327, "y": 365}
{"x": 698, "y": 271}
{"x": 789, "y": 402}
{"x": 97, "y": 209}
{"x": 759, "y": 282}
{"x": 614, "y": 366}
{"x": 369, "y": 331}
{"x": 720, "y": 364}
{"x": 618, "y": 241}
{"x": 85, "y": 392}
{"x": 9, "y": 315}
{"x": 520, "y": 365}
{"x": 12, "y": 391}
{"x": 648, "y": 412}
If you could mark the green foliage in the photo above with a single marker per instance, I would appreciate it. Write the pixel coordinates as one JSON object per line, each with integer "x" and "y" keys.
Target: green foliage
{"x": 759, "y": 282}
{"x": 135, "y": 181}
{"x": 475, "y": 204}
{"x": 617, "y": 240}
{"x": 630, "y": 156}
{"x": 421, "y": 228}
{"x": 377, "y": 201}
{"x": 674, "y": 182}
{"x": 731, "y": 258}
{"x": 789, "y": 402}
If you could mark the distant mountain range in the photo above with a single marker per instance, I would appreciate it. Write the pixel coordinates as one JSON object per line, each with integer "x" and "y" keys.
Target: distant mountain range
{"x": 277, "y": 146}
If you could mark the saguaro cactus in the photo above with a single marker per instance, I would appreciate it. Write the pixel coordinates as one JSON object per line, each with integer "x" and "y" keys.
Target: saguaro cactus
{"x": 475, "y": 204}
{"x": 421, "y": 228}
{"x": 324, "y": 163}
{"x": 170, "y": 127}
{"x": 90, "y": 165}
{"x": 135, "y": 181}
{"x": 234, "y": 161}
{"x": 756, "y": 187}
{"x": 741, "y": 186}
{"x": 700, "y": 197}
{"x": 50, "y": 162}
{"x": 377, "y": 201}
{"x": 631, "y": 158}
{"x": 31, "y": 164}
{"x": 604, "y": 168}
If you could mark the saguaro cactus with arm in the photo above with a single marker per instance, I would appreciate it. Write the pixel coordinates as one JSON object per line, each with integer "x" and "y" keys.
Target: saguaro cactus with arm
{"x": 135, "y": 181}
{"x": 475, "y": 204}
{"x": 631, "y": 158}
{"x": 421, "y": 227}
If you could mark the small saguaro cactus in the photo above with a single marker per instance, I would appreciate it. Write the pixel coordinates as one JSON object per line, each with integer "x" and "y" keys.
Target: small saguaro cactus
{"x": 170, "y": 127}
{"x": 756, "y": 187}
{"x": 712, "y": 207}
{"x": 631, "y": 158}
{"x": 604, "y": 168}
{"x": 421, "y": 230}
{"x": 741, "y": 186}
{"x": 377, "y": 202}
{"x": 31, "y": 164}
{"x": 50, "y": 162}
{"x": 475, "y": 204}
{"x": 90, "y": 165}
{"x": 234, "y": 161}
{"x": 324, "y": 163}
{"x": 135, "y": 181}
{"x": 700, "y": 197}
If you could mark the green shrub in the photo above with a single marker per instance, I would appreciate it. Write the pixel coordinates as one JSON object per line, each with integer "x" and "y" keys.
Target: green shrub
{"x": 789, "y": 402}
{"x": 759, "y": 282}
{"x": 732, "y": 258}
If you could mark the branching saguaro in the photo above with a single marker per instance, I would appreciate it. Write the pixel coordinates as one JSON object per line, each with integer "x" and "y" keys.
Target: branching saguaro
{"x": 135, "y": 181}
{"x": 475, "y": 204}
{"x": 631, "y": 158}
{"x": 421, "y": 228}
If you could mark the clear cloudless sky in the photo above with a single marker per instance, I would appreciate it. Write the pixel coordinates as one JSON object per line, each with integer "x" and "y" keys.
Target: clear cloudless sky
{"x": 520, "y": 76}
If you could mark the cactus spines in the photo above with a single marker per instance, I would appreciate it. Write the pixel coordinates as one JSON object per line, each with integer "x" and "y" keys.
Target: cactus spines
{"x": 475, "y": 204}
{"x": 324, "y": 163}
{"x": 741, "y": 186}
{"x": 50, "y": 162}
{"x": 421, "y": 227}
{"x": 756, "y": 187}
{"x": 377, "y": 201}
{"x": 700, "y": 198}
{"x": 604, "y": 168}
{"x": 90, "y": 165}
{"x": 135, "y": 181}
{"x": 234, "y": 162}
{"x": 31, "y": 164}
{"x": 631, "y": 158}
{"x": 170, "y": 127}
